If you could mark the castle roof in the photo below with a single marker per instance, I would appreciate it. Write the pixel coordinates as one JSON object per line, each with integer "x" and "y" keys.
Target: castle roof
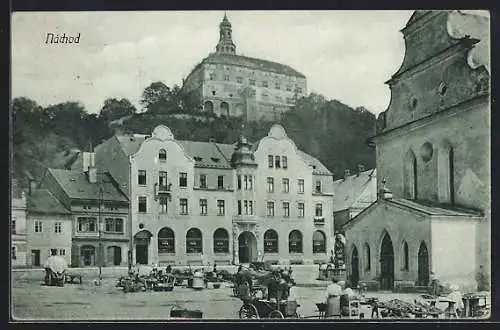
{"x": 251, "y": 63}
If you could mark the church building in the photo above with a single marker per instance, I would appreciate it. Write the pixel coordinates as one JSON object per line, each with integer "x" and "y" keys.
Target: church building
{"x": 433, "y": 163}
{"x": 236, "y": 85}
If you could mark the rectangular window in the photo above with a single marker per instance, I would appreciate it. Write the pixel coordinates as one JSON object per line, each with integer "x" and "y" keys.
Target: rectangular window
{"x": 277, "y": 85}
{"x": 184, "y": 206}
{"x": 301, "y": 186}
{"x": 220, "y": 207}
{"x": 239, "y": 80}
{"x": 62, "y": 252}
{"x": 163, "y": 204}
{"x": 319, "y": 210}
{"x": 239, "y": 181}
{"x": 13, "y": 226}
{"x": 288, "y": 88}
{"x": 203, "y": 181}
{"x": 57, "y": 227}
{"x": 226, "y": 77}
{"x": 87, "y": 224}
{"x": 252, "y": 82}
{"x": 286, "y": 209}
{"x": 203, "y": 206}
{"x": 162, "y": 180}
{"x": 110, "y": 224}
{"x": 141, "y": 177}
{"x": 264, "y": 83}
{"x": 245, "y": 203}
{"x": 13, "y": 253}
{"x": 87, "y": 207}
{"x": 250, "y": 207}
{"x": 183, "y": 179}
{"x": 270, "y": 184}
{"x": 298, "y": 89}
{"x": 38, "y": 227}
{"x": 277, "y": 163}
{"x": 284, "y": 161}
{"x": 142, "y": 204}
{"x": 270, "y": 209}
{"x": 250, "y": 182}
{"x": 220, "y": 182}
{"x": 301, "y": 210}
{"x": 53, "y": 251}
{"x": 212, "y": 76}
{"x": 239, "y": 207}
{"x": 286, "y": 185}
{"x": 318, "y": 186}
{"x": 246, "y": 182}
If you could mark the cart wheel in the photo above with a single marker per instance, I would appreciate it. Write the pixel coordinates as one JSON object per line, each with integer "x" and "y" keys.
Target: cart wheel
{"x": 276, "y": 314}
{"x": 248, "y": 311}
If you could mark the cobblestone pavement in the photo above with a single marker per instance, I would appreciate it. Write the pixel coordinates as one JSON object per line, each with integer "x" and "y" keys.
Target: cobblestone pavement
{"x": 31, "y": 300}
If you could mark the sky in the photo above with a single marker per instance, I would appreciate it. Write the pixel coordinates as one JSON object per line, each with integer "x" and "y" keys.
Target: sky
{"x": 345, "y": 55}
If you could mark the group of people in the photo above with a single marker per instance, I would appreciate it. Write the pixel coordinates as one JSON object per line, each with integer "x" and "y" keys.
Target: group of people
{"x": 337, "y": 297}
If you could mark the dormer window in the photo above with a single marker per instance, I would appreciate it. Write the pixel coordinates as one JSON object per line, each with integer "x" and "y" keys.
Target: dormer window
{"x": 215, "y": 160}
{"x": 162, "y": 155}
{"x": 198, "y": 159}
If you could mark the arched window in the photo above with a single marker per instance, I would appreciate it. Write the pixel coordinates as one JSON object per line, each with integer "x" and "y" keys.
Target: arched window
{"x": 209, "y": 106}
{"x": 319, "y": 242}
{"x": 271, "y": 241}
{"x": 367, "y": 255}
{"x": 162, "y": 155}
{"x": 295, "y": 242}
{"x": 405, "y": 257}
{"x": 194, "y": 241}
{"x": 410, "y": 176}
{"x": 221, "y": 241}
{"x": 166, "y": 240}
{"x": 446, "y": 173}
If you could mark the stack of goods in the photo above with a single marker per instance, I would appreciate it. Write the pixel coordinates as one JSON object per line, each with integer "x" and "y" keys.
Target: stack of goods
{"x": 396, "y": 308}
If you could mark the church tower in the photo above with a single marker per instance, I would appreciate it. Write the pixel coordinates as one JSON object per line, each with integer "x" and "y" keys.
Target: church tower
{"x": 225, "y": 45}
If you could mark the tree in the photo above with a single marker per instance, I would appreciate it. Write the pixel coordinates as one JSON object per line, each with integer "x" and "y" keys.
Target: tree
{"x": 154, "y": 93}
{"x": 115, "y": 109}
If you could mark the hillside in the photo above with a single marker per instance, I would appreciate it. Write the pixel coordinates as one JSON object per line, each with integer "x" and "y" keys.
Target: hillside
{"x": 47, "y": 137}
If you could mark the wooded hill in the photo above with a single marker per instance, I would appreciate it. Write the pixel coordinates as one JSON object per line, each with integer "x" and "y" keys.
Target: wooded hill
{"x": 45, "y": 137}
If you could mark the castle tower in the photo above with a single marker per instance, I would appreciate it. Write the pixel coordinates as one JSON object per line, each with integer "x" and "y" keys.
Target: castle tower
{"x": 225, "y": 44}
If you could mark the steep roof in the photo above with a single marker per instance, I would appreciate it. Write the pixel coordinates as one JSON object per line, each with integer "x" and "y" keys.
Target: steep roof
{"x": 211, "y": 154}
{"x": 348, "y": 190}
{"x": 42, "y": 201}
{"x": 252, "y": 63}
{"x": 77, "y": 186}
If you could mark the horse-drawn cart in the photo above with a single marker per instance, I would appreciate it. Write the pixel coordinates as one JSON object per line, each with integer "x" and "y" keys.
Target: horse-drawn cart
{"x": 263, "y": 308}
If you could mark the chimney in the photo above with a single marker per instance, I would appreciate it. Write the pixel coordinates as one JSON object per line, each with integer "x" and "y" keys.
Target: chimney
{"x": 92, "y": 174}
{"x": 361, "y": 168}
{"x": 32, "y": 187}
{"x": 347, "y": 173}
{"x": 88, "y": 160}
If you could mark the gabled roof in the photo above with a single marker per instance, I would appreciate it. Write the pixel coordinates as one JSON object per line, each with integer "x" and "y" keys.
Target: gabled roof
{"x": 434, "y": 209}
{"x": 76, "y": 185}
{"x": 348, "y": 190}
{"x": 252, "y": 63}
{"x": 425, "y": 208}
{"x": 42, "y": 201}
{"x": 211, "y": 154}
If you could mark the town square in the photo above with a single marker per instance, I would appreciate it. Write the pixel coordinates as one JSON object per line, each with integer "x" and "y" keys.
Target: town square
{"x": 161, "y": 174}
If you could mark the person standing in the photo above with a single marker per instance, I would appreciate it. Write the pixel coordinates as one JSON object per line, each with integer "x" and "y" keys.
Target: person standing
{"x": 332, "y": 297}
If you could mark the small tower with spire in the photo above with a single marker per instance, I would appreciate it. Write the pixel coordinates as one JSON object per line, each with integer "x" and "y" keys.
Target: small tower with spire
{"x": 226, "y": 44}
